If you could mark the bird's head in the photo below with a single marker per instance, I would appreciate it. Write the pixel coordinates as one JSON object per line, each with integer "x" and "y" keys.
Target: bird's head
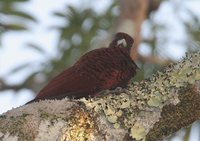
{"x": 122, "y": 39}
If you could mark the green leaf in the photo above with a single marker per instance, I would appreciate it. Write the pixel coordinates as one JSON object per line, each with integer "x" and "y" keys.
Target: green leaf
{"x": 13, "y": 1}
{"x": 17, "y": 27}
{"x": 20, "y": 14}
{"x": 59, "y": 14}
{"x": 37, "y": 48}
{"x": 19, "y": 68}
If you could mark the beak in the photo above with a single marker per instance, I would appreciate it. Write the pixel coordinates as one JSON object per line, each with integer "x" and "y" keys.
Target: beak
{"x": 122, "y": 42}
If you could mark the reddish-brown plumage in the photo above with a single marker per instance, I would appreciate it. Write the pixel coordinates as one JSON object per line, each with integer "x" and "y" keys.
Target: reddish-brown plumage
{"x": 97, "y": 70}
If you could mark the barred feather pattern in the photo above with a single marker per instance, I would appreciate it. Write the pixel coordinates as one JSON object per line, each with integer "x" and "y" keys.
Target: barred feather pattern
{"x": 97, "y": 70}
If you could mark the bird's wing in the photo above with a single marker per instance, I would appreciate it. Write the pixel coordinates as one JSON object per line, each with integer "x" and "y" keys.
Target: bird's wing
{"x": 69, "y": 83}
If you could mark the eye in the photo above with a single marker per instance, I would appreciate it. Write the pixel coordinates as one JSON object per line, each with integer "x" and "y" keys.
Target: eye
{"x": 122, "y": 41}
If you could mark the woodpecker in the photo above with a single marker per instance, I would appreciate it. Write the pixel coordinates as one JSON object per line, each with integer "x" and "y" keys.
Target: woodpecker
{"x": 97, "y": 70}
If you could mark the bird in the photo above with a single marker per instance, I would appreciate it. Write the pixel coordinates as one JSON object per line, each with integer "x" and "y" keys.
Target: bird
{"x": 97, "y": 70}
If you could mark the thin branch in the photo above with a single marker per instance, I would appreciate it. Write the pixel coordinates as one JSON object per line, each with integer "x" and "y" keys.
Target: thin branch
{"x": 154, "y": 60}
{"x": 4, "y": 86}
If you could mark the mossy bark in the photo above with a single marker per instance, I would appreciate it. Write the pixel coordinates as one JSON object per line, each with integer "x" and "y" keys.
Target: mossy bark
{"x": 150, "y": 110}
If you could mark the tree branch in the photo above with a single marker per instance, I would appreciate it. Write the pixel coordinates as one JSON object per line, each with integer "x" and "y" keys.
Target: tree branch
{"x": 4, "y": 86}
{"x": 150, "y": 110}
{"x": 154, "y": 60}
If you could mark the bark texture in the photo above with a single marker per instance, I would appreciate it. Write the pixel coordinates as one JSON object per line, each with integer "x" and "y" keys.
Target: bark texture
{"x": 150, "y": 110}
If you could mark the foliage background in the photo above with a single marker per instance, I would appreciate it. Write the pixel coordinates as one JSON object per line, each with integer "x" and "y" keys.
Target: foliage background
{"x": 35, "y": 46}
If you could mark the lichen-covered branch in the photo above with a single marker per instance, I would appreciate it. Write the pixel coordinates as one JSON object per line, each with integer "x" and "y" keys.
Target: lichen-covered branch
{"x": 150, "y": 110}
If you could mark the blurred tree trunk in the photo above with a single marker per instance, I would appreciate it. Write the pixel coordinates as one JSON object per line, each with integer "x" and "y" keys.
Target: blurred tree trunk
{"x": 132, "y": 15}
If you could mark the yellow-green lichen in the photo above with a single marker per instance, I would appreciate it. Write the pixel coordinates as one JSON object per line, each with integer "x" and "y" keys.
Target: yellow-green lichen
{"x": 116, "y": 125}
{"x": 138, "y": 131}
{"x": 149, "y": 96}
{"x": 80, "y": 126}
{"x": 155, "y": 101}
{"x": 109, "y": 110}
{"x": 112, "y": 118}
{"x": 119, "y": 113}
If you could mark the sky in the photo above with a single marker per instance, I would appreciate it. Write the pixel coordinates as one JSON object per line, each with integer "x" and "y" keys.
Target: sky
{"x": 15, "y": 51}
